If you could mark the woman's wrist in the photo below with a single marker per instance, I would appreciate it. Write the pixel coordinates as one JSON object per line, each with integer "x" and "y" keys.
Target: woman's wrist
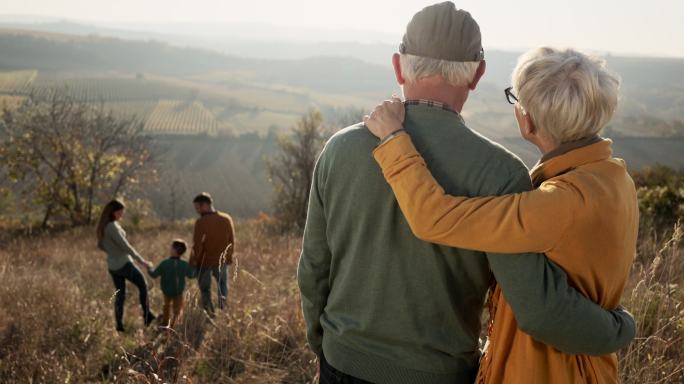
{"x": 391, "y": 136}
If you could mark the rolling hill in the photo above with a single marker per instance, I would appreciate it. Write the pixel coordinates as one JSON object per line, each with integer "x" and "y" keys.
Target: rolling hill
{"x": 239, "y": 95}
{"x": 215, "y": 115}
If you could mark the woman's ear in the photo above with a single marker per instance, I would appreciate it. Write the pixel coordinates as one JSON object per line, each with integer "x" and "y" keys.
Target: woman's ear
{"x": 529, "y": 124}
{"x": 396, "y": 63}
{"x": 525, "y": 123}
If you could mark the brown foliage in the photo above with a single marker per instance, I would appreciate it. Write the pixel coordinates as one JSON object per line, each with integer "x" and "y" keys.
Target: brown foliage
{"x": 67, "y": 156}
{"x": 292, "y": 168}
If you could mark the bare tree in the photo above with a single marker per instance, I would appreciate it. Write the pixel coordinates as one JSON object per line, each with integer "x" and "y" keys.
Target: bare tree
{"x": 65, "y": 155}
{"x": 291, "y": 170}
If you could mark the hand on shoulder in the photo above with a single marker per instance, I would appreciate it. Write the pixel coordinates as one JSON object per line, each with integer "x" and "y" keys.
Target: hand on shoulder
{"x": 386, "y": 118}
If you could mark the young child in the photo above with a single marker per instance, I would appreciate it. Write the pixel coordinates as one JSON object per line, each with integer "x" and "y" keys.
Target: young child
{"x": 173, "y": 272}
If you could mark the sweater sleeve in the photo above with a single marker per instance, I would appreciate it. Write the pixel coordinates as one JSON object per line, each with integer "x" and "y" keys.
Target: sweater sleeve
{"x": 119, "y": 237}
{"x": 197, "y": 244}
{"x": 313, "y": 273}
{"x": 190, "y": 271}
{"x": 549, "y": 309}
{"x": 525, "y": 222}
{"x": 231, "y": 239}
{"x": 156, "y": 272}
{"x": 545, "y": 305}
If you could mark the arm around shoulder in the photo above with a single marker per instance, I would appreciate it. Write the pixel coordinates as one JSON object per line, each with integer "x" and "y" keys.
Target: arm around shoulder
{"x": 547, "y": 308}
{"x": 513, "y": 223}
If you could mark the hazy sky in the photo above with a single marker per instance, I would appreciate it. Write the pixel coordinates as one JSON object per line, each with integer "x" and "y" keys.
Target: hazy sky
{"x": 650, "y": 27}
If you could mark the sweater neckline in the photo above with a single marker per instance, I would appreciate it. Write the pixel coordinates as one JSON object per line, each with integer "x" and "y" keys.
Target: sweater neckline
{"x": 562, "y": 163}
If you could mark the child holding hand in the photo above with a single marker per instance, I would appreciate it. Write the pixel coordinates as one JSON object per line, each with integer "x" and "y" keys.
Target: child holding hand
{"x": 173, "y": 271}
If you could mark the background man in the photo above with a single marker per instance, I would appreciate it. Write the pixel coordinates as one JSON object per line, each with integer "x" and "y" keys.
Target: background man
{"x": 213, "y": 247}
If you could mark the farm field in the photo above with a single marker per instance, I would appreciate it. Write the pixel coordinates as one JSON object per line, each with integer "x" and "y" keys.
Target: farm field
{"x": 175, "y": 106}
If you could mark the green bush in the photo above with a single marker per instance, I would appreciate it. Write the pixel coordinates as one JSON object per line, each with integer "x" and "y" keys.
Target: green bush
{"x": 660, "y": 190}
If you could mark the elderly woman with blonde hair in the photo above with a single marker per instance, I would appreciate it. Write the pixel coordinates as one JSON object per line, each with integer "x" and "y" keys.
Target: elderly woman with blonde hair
{"x": 582, "y": 213}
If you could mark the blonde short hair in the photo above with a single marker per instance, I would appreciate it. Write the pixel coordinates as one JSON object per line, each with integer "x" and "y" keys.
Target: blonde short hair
{"x": 455, "y": 73}
{"x": 569, "y": 95}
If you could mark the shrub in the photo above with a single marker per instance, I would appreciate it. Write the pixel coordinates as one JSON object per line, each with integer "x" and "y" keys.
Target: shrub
{"x": 660, "y": 190}
{"x": 291, "y": 170}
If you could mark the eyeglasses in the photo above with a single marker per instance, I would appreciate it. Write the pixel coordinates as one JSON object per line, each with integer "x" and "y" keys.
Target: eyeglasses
{"x": 510, "y": 97}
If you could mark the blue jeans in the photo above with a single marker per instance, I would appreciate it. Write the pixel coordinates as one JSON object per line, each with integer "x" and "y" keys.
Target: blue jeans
{"x": 131, "y": 273}
{"x": 220, "y": 274}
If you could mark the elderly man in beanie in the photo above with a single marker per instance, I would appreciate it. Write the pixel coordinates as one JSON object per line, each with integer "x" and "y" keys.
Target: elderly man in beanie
{"x": 382, "y": 306}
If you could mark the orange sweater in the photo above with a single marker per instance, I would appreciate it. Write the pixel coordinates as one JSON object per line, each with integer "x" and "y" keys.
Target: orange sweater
{"x": 213, "y": 240}
{"x": 583, "y": 215}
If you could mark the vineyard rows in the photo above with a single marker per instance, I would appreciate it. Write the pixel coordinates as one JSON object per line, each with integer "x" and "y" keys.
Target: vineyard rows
{"x": 166, "y": 107}
{"x": 179, "y": 117}
{"x": 18, "y": 82}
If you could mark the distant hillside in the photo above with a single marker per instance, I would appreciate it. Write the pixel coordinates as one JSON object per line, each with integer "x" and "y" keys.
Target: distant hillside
{"x": 185, "y": 90}
{"x": 94, "y": 54}
{"x": 234, "y": 172}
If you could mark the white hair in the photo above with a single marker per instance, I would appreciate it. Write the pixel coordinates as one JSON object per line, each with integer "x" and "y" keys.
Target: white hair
{"x": 455, "y": 73}
{"x": 568, "y": 94}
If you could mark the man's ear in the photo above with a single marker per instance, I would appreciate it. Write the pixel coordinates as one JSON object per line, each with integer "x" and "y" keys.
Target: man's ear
{"x": 396, "y": 63}
{"x": 478, "y": 75}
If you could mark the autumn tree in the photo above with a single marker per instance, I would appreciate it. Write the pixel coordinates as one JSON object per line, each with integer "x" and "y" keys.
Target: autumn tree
{"x": 66, "y": 156}
{"x": 291, "y": 170}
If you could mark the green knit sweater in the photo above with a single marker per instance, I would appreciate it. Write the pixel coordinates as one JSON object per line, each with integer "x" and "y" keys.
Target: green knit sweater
{"x": 385, "y": 307}
{"x": 173, "y": 272}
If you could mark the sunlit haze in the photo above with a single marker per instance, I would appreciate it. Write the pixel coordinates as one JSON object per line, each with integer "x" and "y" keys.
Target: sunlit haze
{"x": 622, "y": 27}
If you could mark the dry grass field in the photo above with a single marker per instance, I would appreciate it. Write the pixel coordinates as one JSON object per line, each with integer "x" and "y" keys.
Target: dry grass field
{"x": 56, "y": 323}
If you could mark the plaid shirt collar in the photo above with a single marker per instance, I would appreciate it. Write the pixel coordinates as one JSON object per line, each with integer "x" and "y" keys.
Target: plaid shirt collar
{"x": 433, "y": 104}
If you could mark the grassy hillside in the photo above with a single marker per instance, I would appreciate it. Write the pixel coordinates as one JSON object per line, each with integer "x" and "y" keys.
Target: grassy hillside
{"x": 57, "y": 324}
{"x": 233, "y": 170}
{"x": 182, "y": 90}
{"x": 236, "y": 95}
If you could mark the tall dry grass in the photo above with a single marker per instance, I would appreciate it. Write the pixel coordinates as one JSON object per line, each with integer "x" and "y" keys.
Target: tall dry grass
{"x": 56, "y": 320}
{"x": 57, "y": 326}
{"x": 655, "y": 297}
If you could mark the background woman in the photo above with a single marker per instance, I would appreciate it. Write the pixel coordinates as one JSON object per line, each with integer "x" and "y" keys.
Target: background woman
{"x": 120, "y": 254}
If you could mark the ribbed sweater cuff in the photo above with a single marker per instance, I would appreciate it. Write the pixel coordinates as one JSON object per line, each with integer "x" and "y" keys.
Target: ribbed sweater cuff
{"x": 395, "y": 150}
